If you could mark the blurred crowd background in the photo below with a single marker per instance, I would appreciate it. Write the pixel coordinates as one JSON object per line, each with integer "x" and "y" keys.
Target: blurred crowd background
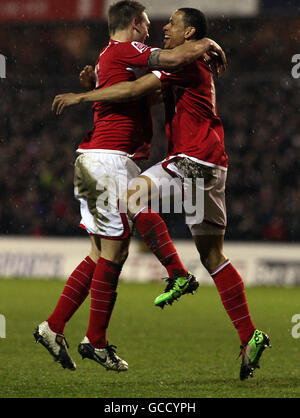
{"x": 258, "y": 101}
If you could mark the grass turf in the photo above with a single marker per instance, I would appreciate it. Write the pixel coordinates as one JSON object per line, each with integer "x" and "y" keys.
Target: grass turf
{"x": 188, "y": 350}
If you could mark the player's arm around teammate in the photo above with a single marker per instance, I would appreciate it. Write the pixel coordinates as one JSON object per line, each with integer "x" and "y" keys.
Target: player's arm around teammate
{"x": 123, "y": 92}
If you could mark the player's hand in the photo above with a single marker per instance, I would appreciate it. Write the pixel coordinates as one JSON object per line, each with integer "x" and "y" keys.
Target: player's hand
{"x": 87, "y": 77}
{"x": 214, "y": 60}
{"x": 62, "y": 101}
{"x": 218, "y": 57}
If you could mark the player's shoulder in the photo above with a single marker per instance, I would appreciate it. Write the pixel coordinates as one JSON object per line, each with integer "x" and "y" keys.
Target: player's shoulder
{"x": 134, "y": 46}
{"x": 140, "y": 46}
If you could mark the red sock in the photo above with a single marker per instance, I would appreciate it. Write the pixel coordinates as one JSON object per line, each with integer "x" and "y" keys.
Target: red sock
{"x": 74, "y": 293}
{"x": 231, "y": 289}
{"x": 155, "y": 234}
{"x": 103, "y": 297}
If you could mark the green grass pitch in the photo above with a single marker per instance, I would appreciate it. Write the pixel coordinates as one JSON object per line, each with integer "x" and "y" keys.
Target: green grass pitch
{"x": 188, "y": 350}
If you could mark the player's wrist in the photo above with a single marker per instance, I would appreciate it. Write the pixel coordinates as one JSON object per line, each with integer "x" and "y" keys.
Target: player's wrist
{"x": 82, "y": 97}
{"x": 208, "y": 44}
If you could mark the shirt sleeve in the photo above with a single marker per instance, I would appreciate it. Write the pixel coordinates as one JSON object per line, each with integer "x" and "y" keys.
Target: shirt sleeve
{"x": 167, "y": 79}
{"x": 136, "y": 54}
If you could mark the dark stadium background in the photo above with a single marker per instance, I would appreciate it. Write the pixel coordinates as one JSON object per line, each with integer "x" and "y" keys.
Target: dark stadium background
{"x": 258, "y": 101}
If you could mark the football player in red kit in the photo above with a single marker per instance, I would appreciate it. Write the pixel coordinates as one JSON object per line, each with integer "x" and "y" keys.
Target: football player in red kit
{"x": 105, "y": 164}
{"x": 196, "y": 149}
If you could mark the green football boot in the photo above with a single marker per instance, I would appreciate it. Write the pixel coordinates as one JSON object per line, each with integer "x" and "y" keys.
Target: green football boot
{"x": 251, "y": 353}
{"x": 177, "y": 287}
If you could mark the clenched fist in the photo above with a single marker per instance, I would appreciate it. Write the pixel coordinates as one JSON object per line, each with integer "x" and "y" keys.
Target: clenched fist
{"x": 87, "y": 77}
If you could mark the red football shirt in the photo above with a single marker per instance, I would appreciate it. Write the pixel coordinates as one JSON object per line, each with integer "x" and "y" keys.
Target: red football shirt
{"x": 120, "y": 126}
{"x": 192, "y": 125}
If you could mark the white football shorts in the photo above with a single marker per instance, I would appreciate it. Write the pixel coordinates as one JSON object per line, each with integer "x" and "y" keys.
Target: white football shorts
{"x": 211, "y": 219}
{"x": 100, "y": 178}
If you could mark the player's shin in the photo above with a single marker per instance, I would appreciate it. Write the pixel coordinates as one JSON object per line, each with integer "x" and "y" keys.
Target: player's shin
{"x": 74, "y": 294}
{"x": 154, "y": 232}
{"x": 231, "y": 290}
{"x": 103, "y": 297}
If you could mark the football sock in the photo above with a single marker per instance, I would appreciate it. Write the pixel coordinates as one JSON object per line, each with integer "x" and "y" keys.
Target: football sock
{"x": 75, "y": 292}
{"x": 231, "y": 289}
{"x": 155, "y": 234}
{"x": 103, "y": 298}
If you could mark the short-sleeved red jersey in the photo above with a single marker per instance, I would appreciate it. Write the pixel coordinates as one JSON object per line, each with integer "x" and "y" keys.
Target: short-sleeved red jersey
{"x": 120, "y": 126}
{"x": 192, "y": 125}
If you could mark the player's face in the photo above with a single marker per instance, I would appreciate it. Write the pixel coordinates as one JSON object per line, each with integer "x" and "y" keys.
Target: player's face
{"x": 174, "y": 31}
{"x": 142, "y": 29}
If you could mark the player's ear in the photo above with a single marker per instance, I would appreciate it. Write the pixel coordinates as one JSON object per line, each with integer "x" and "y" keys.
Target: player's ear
{"x": 135, "y": 22}
{"x": 189, "y": 32}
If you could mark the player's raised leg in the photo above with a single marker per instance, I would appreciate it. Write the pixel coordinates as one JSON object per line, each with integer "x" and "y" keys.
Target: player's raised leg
{"x": 103, "y": 297}
{"x": 154, "y": 232}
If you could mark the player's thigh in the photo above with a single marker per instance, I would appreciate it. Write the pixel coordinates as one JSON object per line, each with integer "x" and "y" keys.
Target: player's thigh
{"x": 95, "y": 251}
{"x": 138, "y": 194}
{"x": 115, "y": 251}
{"x": 154, "y": 185}
{"x": 214, "y": 217}
{"x": 99, "y": 181}
{"x": 206, "y": 244}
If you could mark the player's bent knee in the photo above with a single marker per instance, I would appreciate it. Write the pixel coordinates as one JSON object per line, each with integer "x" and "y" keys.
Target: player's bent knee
{"x": 118, "y": 258}
{"x": 115, "y": 251}
{"x": 212, "y": 260}
{"x": 95, "y": 255}
{"x": 122, "y": 258}
{"x": 138, "y": 195}
{"x": 211, "y": 251}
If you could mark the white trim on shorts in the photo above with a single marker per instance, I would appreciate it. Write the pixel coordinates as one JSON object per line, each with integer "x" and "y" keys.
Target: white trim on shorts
{"x": 104, "y": 151}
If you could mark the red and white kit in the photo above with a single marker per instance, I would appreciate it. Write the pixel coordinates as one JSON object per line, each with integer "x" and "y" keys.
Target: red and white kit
{"x": 121, "y": 133}
{"x": 195, "y": 140}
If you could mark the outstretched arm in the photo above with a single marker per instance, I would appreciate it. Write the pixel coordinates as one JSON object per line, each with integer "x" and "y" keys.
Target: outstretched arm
{"x": 121, "y": 92}
{"x": 185, "y": 54}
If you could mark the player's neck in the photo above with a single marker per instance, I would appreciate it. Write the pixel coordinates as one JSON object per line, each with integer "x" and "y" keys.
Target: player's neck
{"x": 125, "y": 35}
